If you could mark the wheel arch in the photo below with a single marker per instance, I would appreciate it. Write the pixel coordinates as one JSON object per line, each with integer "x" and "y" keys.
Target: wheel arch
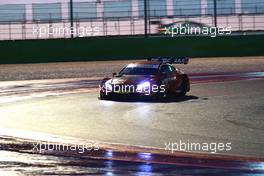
{"x": 185, "y": 78}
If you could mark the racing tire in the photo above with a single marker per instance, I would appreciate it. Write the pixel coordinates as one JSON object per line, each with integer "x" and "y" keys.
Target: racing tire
{"x": 182, "y": 89}
{"x": 102, "y": 96}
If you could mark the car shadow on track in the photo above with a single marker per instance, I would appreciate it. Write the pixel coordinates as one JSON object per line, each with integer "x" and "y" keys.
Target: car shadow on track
{"x": 157, "y": 100}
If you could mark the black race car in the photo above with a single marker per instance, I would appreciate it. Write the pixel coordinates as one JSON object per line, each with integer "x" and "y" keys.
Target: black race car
{"x": 156, "y": 77}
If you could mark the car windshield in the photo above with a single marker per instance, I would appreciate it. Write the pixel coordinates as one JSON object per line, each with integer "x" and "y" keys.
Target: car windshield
{"x": 138, "y": 70}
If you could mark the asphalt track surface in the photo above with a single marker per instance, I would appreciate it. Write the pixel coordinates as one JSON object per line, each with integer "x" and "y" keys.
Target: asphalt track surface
{"x": 60, "y": 106}
{"x": 103, "y": 68}
{"x": 132, "y": 135}
{"x": 230, "y": 111}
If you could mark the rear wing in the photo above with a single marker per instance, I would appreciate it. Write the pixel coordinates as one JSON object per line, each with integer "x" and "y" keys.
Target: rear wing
{"x": 171, "y": 60}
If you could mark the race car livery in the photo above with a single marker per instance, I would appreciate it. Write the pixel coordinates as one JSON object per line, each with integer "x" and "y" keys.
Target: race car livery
{"x": 156, "y": 77}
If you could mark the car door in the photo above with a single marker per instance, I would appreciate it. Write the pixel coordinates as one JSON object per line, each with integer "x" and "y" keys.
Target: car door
{"x": 173, "y": 79}
{"x": 168, "y": 77}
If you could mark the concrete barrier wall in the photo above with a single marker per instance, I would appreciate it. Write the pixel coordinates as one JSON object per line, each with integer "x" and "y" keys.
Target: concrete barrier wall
{"x": 113, "y": 48}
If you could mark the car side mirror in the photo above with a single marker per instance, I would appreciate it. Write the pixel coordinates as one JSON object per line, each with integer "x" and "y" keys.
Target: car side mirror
{"x": 114, "y": 74}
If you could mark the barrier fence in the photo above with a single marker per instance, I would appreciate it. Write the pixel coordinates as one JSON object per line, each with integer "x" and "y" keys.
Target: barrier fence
{"x": 80, "y": 18}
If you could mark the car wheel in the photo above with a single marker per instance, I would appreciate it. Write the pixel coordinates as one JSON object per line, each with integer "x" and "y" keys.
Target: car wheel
{"x": 102, "y": 96}
{"x": 182, "y": 89}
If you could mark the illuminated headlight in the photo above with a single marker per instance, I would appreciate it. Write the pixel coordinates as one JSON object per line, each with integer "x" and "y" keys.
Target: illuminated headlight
{"x": 108, "y": 86}
{"x": 144, "y": 86}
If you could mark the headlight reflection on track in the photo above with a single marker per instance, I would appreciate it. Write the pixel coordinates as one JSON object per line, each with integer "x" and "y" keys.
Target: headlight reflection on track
{"x": 145, "y": 156}
{"x": 107, "y": 103}
{"x": 258, "y": 166}
{"x": 109, "y": 154}
{"x": 144, "y": 169}
{"x": 109, "y": 166}
{"x": 143, "y": 110}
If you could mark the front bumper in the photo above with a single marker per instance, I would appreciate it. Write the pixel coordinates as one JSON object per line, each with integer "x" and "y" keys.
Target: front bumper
{"x": 125, "y": 95}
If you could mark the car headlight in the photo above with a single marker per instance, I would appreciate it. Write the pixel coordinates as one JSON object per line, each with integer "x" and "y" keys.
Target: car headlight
{"x": 144, "y": 86}
{"x": 108, "y": 86}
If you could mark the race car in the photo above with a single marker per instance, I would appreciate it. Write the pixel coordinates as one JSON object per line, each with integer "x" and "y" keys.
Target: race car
{"x": 156, "y": 77}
